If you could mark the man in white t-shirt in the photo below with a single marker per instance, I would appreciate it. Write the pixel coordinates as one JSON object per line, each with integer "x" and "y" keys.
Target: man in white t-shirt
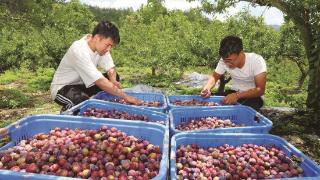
{"x": 77, "y": 77}
{"x": 248, "y": 72}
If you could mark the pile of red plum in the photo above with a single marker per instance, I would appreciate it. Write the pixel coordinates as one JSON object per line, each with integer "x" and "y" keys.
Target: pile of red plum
{"x": 206, "y": 123}
{"x": 247, "y": 161}
{"x": 194, "y": 102}
{"x": 106, "y": 153}
{"x": 144, "y": 103}
{"x": 114, "y": 114}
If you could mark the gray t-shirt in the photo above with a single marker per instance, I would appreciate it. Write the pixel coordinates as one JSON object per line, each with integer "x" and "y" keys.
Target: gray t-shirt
{"x": 79, "y": 66}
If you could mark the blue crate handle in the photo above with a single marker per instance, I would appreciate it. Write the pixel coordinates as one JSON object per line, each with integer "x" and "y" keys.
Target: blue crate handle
{"x": 9, "y": 128}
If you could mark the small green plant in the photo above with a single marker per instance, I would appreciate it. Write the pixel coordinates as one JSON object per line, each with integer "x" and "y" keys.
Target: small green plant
{"x": 8, "y": 77}
{"x": 12, "y": 98}
{"x": 41, "y": 80}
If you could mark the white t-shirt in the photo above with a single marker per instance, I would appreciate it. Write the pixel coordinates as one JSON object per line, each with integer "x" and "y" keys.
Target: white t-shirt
{"x": 79, "y": 66}
{"x": 243, "y": 78}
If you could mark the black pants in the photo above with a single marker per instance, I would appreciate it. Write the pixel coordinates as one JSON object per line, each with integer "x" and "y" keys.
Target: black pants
{"x": 71, "y": 95}
{"x": 256, "y": 102}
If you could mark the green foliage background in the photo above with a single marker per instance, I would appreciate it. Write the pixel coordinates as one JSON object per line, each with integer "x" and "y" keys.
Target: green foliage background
{"x": 157, "y": 46}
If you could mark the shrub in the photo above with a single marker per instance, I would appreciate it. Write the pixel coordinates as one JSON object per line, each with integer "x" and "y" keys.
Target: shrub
{"x": 12, "y": 98}
{"x": 8, "y": 77}
{"x": 42, "y": 79}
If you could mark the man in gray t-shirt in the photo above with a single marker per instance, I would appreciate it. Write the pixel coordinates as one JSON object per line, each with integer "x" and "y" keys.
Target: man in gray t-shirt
{"x": 77, "y": 77}
{"x": 247, "y": 70}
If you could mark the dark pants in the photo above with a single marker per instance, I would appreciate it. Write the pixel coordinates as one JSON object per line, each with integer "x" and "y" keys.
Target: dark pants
{"x": 256, "y": 102}
{"x": 71, "y": 95}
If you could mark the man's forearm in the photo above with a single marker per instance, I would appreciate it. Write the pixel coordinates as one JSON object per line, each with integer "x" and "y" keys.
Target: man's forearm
{"x": 211, "y": 82}
{"x": 251, "y": 93}
{"x": 109, "y": 87}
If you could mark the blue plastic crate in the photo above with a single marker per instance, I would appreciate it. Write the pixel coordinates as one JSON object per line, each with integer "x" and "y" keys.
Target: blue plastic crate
{"x": 311, "y": 169}
{"x": 93, "y": 103}
{"x": 27, "y": 127}
{"x": 143, "y": 96}
{"x": 216, "y": 99}
{"x": 254, "y": 122}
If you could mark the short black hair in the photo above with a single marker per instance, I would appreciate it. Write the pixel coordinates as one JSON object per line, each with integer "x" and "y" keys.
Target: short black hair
{"x": 107, "y": 30}
{"x": 230, "y": 45}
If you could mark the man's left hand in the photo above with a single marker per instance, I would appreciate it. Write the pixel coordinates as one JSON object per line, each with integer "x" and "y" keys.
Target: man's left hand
{"x": 230, "y": 98}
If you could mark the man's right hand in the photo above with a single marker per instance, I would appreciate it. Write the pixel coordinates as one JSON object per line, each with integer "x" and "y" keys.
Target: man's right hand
{"x": 3, "y": 131}
{"x": 205, "y": 93}
{"x": 116, "y": 83}
{"x": 132, "y": 100}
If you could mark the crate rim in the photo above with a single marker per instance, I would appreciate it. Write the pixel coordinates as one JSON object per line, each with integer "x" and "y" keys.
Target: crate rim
{"x": 117, "y": 105}
{"x": 16, "y": 124}
{"x": 268, "y": 122}
{"x": 162, "y": 108}
{"x": 172, "y": 106}
{"x": 230, "y": 135}
{"x": 101, "y": 102}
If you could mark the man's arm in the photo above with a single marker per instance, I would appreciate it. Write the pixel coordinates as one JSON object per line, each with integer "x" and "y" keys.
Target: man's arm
{"x": 112, "y": 74}
{"x": 206, "y": 91}
{"x": 3, "y": 131}
{"x": 107, "y": 86}
{"x": 260, "y": 81}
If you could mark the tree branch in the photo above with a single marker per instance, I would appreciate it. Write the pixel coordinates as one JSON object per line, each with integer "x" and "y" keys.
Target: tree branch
{"x": 302, "y": 21}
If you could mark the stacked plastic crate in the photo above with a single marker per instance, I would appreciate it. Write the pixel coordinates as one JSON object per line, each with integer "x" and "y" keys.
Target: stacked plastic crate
{"x": 148, "y": 125}
{"x": 229, "y": 142}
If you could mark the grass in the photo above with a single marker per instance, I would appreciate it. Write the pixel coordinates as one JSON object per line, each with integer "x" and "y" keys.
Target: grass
{"x": 27, "y": 81}
{"x": 14, "y": 75}
{"x": 8, "y": 77}
{"x": 13, "y": 98}
{"x": 4, "y": 123}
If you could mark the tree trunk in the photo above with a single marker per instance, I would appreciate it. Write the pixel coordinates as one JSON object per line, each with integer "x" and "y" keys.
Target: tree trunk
{"x": 311, "y": 46}
{"x": 302, "y": 79}
{"x": 313, "y": 99}
{"x": 303, "y": 73}
{"x": 153, "y": 71}
{"x": 223, "y": 83}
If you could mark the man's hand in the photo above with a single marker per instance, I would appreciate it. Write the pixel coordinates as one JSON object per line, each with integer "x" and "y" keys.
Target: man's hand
{"x": 205, "y": 93}
{"x": 230, "y": 99}
{"x": 132, "y": 100}
{"x": 3, "y": 131}
{"x": 116, "y": 83}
